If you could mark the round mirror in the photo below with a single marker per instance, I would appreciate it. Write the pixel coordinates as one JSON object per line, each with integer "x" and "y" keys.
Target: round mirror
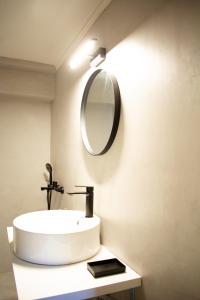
{"x": 100, "y": 112}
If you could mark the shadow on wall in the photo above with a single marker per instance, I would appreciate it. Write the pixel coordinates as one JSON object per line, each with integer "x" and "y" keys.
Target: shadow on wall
{"x": 103, "y": 167}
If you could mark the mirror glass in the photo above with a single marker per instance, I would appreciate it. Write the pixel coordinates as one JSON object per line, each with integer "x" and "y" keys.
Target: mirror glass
{"x": 100, "y": 112}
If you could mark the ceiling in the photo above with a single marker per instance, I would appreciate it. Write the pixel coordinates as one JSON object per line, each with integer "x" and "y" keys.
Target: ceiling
{"x": 45, "y": 30}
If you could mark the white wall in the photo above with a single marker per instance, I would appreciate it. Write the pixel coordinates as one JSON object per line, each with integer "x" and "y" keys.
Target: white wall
{"x": 147, "y": 185}
{"x": 25, "y": 84}
{"x": 24, "y": 150}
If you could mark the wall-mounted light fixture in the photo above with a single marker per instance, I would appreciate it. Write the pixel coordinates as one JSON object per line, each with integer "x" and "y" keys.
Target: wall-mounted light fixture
{"x": 82, "y": 53}
{"x": 98, "y": 57}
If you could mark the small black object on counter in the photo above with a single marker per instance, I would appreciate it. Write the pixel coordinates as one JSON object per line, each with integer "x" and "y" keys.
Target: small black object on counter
{"x": 105, "y": 267}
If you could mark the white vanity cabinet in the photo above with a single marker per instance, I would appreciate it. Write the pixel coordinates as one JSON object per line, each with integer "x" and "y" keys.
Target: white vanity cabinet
{"x": 68, "y": 282}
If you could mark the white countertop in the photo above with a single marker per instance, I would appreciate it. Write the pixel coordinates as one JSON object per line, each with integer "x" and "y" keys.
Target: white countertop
{"x": 68, "y": 281}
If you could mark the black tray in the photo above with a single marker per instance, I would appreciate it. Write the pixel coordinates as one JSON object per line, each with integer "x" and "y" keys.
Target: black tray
{"x": 105, "y": 267}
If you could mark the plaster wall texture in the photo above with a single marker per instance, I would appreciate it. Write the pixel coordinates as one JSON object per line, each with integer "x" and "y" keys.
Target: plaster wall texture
{"x": 147, "y": 185}
{"x": 27, "y": 85}
{"x": 24, "y": 150}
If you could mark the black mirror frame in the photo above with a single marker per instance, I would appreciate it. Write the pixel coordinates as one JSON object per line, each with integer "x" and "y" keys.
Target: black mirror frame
{"x": 116, "y": 113}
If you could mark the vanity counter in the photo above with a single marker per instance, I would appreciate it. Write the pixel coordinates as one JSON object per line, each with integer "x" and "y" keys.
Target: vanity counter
{"x": 68, "y": 281}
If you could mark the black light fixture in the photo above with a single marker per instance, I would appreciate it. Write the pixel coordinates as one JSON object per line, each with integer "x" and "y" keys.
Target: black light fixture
{"x": 98, "y": 57}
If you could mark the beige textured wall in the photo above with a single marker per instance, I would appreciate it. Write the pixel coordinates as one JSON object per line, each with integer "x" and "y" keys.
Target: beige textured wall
{"x": 147, "y": 189}
{"x": 23, "y": 84}
{"x": 24, "y": 150}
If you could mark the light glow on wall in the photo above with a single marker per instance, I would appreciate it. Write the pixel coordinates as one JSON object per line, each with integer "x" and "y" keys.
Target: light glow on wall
{"x": 144, "y": 64}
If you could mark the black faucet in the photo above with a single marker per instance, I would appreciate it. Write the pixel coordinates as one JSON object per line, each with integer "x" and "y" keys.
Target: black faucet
{"x": 89, "y": 199}
{"x": 52, "y": 186}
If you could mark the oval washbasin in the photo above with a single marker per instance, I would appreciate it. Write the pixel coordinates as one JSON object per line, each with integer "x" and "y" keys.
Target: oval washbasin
{"x": 56, "y": 237}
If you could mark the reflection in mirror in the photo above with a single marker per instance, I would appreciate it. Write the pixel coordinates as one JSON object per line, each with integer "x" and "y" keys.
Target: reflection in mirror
{"x": 100, "y": 112}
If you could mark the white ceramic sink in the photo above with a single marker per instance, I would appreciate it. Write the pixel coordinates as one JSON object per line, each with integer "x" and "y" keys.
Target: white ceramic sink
{"x": 56, "y": 237}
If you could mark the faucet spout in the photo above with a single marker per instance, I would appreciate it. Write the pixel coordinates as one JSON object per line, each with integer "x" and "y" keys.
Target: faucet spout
{"x": 89, "y": 199}
{"x": 78, "y": 193}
